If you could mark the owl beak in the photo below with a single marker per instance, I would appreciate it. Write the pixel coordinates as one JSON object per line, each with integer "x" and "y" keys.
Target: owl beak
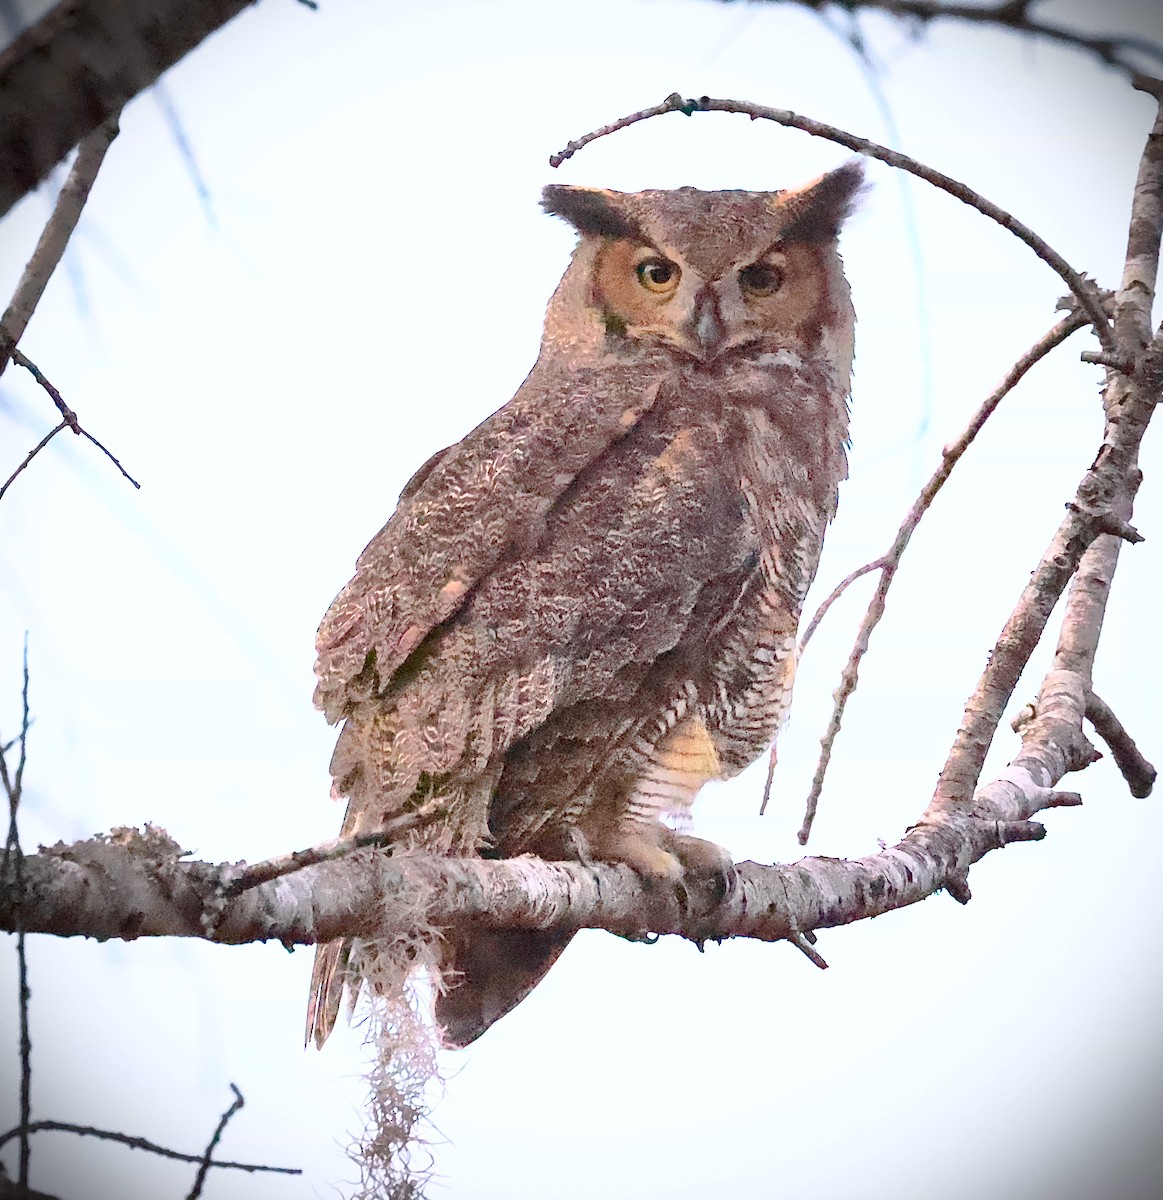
{"x": 706, "y": 323}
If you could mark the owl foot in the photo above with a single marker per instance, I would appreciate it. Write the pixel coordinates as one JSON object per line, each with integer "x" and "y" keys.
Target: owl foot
{"x": 708, "y": 871}
{"x": 702, "y": 873}
{"x": 638, "y": 847}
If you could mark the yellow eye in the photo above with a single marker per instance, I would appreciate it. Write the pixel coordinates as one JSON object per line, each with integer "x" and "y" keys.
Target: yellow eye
{"x": 761, "y": 279}
{"x": 658, "y": 275}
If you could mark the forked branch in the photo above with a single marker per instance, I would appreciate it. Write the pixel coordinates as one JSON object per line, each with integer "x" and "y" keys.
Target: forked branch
{"x": 69, "y": 420}
{"x": 1103, "y": 501}
{"x": 888, "y": 563}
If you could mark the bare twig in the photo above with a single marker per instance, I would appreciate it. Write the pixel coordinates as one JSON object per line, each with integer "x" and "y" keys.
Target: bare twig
{"x": 44, "y": 441}
{"x": 68, "y": 420}
{"x": 1137, "y": 771}
{"x": 208, "y": 1158}
{"x": 139, "y": 1143}
{"x": 14, "y": 786}
{"x": 1082, "y": 288}
{"x": 1007, "y": 14}
{"x": 54, "y": 239}
{"x": 249, "y": 875}
{"x": 804, "y": 945}
{"x": 67, "y": 415}
{"x": 877, "y": 564}
{"x": 890, "y": 561}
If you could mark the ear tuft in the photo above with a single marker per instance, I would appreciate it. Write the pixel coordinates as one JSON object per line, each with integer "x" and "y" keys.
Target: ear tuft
{"x": 589, "y": 210}
{"x": 816, "y": 212}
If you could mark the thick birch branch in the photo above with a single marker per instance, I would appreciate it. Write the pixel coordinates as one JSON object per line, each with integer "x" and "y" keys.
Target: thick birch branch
{"x": 133, "y": 885}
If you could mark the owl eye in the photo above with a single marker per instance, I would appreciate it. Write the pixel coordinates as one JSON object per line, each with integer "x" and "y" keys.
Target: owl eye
{"x": 658, "y": 275}
{"x": 761, "y": 279}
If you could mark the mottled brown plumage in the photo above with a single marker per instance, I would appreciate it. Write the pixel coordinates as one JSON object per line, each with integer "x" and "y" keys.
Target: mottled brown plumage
{"x": 587, "y": 608}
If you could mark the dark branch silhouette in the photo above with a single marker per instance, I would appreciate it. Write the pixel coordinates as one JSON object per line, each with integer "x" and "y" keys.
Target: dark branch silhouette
{"x": 1015, "y": 15}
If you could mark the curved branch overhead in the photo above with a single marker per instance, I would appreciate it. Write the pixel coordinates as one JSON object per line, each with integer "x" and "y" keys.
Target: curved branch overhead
{"x": 1082, "y": 289}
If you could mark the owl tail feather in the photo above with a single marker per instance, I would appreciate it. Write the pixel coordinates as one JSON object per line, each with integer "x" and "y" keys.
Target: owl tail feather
{"x": 490, "y": 972}
{"x": 327, "y": 979}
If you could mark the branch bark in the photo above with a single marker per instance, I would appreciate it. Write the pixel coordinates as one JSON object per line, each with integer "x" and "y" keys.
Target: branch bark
{"x": 133, "y": 884}
{"x": 55, "y": 236}
{"x": 81, "y": 63}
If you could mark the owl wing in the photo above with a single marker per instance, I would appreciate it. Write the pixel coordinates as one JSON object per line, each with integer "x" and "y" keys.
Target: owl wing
{"x": 469, "y": 508}
{"x": 559, "y": 599}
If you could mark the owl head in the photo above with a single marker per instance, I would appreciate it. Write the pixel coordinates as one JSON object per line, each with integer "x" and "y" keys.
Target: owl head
{"x": 706, "y": 275}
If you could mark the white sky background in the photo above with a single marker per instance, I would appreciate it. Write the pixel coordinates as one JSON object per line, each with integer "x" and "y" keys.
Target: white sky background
{"x": 371, "y": 286}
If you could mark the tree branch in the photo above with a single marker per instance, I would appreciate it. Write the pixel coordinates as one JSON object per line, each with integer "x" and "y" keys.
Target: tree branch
{"x": 1084, "y": 291}
{"x": 1106, "y": 493}
{"x": 55, "y": 237}
{"x": 890, "y": 561}
{"x": 69, "y": 420}
{"x": 248, "y": 875}
{"x": 208, "y": 1157}
{"x": 1008, "y": 14}
{"x": 133, "y": 884}
{"x": 140, "y": 1143}
{"x": 1136, "y": 770}
{"x": 13, "y": 866}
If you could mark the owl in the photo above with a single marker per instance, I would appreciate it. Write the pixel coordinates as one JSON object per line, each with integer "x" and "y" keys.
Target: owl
{"x": 587, "y": 608}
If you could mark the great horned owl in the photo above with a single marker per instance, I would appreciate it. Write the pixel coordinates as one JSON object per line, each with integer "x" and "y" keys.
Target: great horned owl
{"x": 587, "y": 608}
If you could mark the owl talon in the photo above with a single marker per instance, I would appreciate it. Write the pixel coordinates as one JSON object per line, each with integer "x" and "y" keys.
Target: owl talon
{"x": 708, "y": 873}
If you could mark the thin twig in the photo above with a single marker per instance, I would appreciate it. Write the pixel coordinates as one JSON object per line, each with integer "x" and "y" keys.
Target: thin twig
{"x": 44, "y": 441}
{"x": 1137, "y": 771}
{"x": 890, "y": 561}
{"x": 14, "y": 786}
{"x": 1079, "y": 286}
{"x": 804, "y": 945}
{"x": 247, "y": 876}
{"x": 212, "y": 1145}
{"x": 68, "y": 419}
{"x": 1007, "y": 14}
{"x": 67, "y": 415}
{"x": 877, "y": 564}
{"x": 139, "y": 1143}
{"x": 54, "y": 239}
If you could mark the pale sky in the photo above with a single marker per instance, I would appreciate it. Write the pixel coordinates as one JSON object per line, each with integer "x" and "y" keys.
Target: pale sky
{"x": 363, "y": 284}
